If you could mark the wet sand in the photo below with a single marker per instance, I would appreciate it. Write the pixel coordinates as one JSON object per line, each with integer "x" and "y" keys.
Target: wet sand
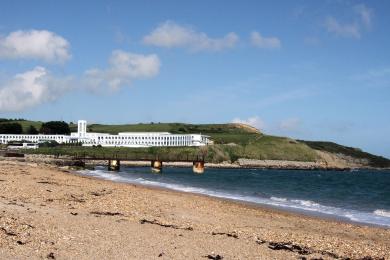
{"x": 46, "y": 212}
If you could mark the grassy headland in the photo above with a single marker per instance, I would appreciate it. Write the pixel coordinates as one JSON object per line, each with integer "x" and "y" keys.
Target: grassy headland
{"x": 232, "y": 141}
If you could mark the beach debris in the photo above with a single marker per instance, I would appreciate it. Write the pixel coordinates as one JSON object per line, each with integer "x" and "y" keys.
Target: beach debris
{"x": 371, "y": 258}
{"x": 289, "y": 247}
{"x": 48, "y": 182}
{"x": 51, "y": 255}
{"x": 155, "y": 222}
{"x": 100, "y": 193}
{"x": 76, "y": 199}
{"x": 28, "y": 225}
{"x": 8, "y": 233}
{"x": 106, "y": 213}
{"x": 2, "y": 180}
{"x": 161, "y": 254}
{"x": 48, "y": 190}
{"x": 213, "y": 256}
{"x": 260, "y": 241}
{"x": 15, "y": 203}
{"x": 20, "y": 242}
{"x": 74, "y": 213}
{"x": 232, "y": 234}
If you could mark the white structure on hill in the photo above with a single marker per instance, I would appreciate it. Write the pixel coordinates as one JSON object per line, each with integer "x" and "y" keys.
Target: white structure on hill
{"x": 128, "y": 139}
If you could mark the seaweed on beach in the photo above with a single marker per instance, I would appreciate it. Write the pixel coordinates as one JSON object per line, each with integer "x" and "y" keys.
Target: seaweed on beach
{"x": 232, "y": 234}
{"x": 289, "y": 247}
{"x": 48, "y": 182}
{"x": 215, "y": 257}
{"x": 106, "y": 213}
{"x": 155, "y": 222}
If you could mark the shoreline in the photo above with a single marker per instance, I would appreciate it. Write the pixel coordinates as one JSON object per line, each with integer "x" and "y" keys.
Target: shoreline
{"x": 47, "y": 210}
{"x": 261, "y": 206}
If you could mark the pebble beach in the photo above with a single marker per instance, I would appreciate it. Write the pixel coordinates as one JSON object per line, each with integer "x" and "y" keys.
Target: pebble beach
{"x": 53, "y": 213}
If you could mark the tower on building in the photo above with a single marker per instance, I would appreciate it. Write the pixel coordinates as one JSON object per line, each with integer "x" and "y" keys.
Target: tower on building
{"x": 81, "y": 128}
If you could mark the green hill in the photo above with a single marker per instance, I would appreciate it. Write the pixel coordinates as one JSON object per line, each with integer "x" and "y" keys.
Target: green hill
{"x": 233, "y": 141}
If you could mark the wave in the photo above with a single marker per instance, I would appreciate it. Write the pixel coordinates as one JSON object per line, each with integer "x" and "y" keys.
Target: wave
{"x": 382, "y": 212}
{"x": 378, "y": 217}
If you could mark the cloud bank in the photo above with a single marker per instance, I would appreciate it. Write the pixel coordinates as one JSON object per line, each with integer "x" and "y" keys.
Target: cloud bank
{"x": 173, "y": 35}
{"x": 35, "y": 44}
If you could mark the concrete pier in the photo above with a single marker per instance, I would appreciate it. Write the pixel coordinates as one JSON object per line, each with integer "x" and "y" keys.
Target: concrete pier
{"x": 198, "y": 167}
{"x": 114, "y": 165}
{"x": 156, "y": 166}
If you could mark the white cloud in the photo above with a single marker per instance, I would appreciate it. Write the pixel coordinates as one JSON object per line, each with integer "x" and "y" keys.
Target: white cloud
{"x": 124, "y": 68}
{"x": 34, "y": 44}
{"x": 354, "y": 29}
{"x": 254, "y": 121}
{"x": 365, "y": 14}
{"x": 290, "y": 124}
{"x": 31, "y": 88}
{"x": 344, "y": 30}
{"x": 38, "y": 86}
{"x": 264, "y": 42}
{"x": 172, "y": 35}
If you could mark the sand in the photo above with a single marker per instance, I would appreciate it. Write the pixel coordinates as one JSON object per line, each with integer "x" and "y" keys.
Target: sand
{"x": 46, "y": 212}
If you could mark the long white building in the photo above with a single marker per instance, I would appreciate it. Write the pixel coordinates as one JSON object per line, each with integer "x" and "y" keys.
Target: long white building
{"x": 127, "y": 139}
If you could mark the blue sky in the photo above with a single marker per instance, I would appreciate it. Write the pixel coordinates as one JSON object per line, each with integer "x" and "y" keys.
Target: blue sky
{"x": 317, "y": 70}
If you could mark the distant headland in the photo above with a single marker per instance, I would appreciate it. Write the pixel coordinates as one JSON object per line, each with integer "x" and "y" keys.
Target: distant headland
{"x": 226, "y": 145}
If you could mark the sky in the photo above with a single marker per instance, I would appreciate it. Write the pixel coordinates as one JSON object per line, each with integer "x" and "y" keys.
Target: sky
{"x": 314, "y": 70}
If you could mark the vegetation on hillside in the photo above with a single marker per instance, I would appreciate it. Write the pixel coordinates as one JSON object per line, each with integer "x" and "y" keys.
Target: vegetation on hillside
{"x": 24, "y": 123}
{"x": 10, "y": 128}
{"x": 231, "y": 141}
{"x": 55, "y": 127}
{"x": 374, "y": 160}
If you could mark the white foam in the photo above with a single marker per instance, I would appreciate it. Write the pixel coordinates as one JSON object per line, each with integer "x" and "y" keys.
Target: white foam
{"x": 278, "y": 199}
{"x": 378, "y": 217}
{"x": 307, "y": 203}
{"x": 382, "y": 212}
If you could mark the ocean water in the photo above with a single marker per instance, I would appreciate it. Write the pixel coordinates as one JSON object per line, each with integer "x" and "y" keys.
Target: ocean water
{"x": 361, "y": 196}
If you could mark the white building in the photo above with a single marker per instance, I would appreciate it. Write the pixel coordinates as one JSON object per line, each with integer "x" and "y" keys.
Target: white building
{"x": 128, "y": 139}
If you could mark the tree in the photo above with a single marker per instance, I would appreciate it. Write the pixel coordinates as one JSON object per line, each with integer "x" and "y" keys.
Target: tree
{"x": 32, "y": 130}
{"x": 11, "y": 128}
{"x": 55, "y": 127}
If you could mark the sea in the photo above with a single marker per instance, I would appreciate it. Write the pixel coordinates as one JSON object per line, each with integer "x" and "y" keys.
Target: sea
{"x": 361, "y": 196}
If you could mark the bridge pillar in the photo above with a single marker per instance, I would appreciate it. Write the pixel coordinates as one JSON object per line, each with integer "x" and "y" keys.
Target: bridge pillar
{"x": 114, "y": 165}
{"x": 198, "y": 167}
{"x": 156, "y": 165}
